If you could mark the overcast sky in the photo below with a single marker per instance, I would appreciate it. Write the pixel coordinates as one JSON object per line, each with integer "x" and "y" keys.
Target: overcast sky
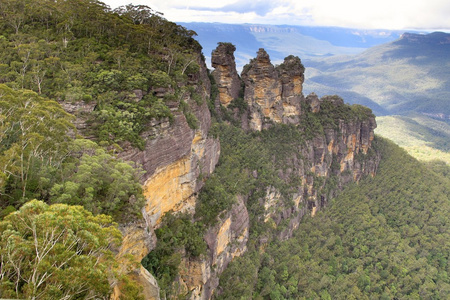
{"x": 380, "y": 14}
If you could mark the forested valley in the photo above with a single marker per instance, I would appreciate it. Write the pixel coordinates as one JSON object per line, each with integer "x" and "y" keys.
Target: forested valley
{"x": 80, "y": 84}
{"x": 384, "y": 238}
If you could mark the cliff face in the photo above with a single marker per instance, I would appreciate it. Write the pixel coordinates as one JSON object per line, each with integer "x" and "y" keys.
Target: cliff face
{"x": 336, "y": 154}
{"x": 226, "y": 240}
{"x": 174, "y": 157}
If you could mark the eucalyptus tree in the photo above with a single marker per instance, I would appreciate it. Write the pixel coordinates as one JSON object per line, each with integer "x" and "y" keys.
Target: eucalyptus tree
{"x": 33, "y": 132}
{"x": 56, "y": 252}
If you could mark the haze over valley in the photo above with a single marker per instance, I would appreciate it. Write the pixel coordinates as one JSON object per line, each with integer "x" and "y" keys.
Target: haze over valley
{"x": 401, "y": 75}
{"x": 147, "y": 160}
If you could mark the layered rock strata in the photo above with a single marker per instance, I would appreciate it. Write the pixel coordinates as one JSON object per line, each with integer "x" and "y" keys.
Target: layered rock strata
{"x": 174, "y": 157}
{"x": 226, "y": 240}
{"x": 341, "y": 153}
{"x": 273, "y": 94}
{"x": 225, "y": 74}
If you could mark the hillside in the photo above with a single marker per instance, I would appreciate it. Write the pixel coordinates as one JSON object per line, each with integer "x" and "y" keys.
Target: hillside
{"x": 384, "y": 238}
{"x": 407, "y": 80}
{"x": 423, "y": 137}
{"x": 129, "y": 170}
{"x": 407, "y": 75}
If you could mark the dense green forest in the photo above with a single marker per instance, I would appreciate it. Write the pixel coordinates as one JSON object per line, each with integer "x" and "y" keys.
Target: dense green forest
{"x": 387, "y": 237}
{"x": 82, "y": 53}
{"x": 56, "y": 54}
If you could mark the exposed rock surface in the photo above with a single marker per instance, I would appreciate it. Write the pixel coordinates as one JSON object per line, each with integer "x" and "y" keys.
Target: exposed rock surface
{"x": 225, "y": 240}
{"x": 273, "y": 94}
{"x": 173, "y": 159}
{"x": 176, "y": 155}
{"x": 340, "y": 152}
{"x": 225, "y": 74}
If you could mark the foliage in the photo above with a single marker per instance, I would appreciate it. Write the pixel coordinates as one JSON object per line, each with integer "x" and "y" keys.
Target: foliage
{"x": 82, "y": 52}
{"x": 176, "y": 235}
{"x": 128, "y": 119}
{"x": 33, "y": 133}
{"x": 384, "y": 238}
{"x": 423, "y": 137}
{"x": 191, "y": 119}
{"x": 100, "y": 182}
{"x": 240, "y": 104}
{"x": 333, "y": 109}
{"x": 246, "y": 164}
{"x": 56, "y": 252}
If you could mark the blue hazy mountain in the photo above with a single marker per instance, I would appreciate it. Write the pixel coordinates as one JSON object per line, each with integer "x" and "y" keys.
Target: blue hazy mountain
{"x": 283, "y": 40}
{"x": 405, "y": 82}
{"x": 410, "y": 74}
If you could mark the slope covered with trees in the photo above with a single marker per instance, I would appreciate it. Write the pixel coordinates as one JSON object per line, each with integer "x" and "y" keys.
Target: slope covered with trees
{"x": 386, "y": 238}
{"x": 76, "y": 51}
{"x": 56, "y": 252}
{"x": 105, "y": 67}
{"x": 95, "y": 62}
{"x": 116, "y": 70}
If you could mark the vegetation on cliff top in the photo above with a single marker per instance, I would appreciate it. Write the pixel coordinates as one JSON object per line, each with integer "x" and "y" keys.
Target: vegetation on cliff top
{"x": 82, "y": 52}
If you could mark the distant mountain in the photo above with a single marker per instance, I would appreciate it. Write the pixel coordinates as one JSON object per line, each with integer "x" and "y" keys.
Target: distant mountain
{"x": 283, "y": 40}
{"x": 403, "y": 77}
{"x": 408, "y": 75}
{"x": 406, "y": 83}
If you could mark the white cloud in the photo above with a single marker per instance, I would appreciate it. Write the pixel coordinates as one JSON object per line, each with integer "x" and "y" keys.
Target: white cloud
{"x": 389, "y": 14}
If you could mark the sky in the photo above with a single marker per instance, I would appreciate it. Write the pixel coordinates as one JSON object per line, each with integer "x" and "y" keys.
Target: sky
{"x": 362, "y": 14}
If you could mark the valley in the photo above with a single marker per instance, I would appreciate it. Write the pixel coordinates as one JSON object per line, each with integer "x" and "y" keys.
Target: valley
{"x": 134, "y": 166}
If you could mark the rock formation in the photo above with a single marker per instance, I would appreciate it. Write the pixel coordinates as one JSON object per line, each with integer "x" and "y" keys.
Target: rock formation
{"x": 273, "y": 94}
{"x": 225, "y": 74}
{"x": 176, "y": 156}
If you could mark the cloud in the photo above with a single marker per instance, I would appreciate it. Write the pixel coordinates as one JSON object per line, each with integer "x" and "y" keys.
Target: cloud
{"x": 370, "y": 14}
{"x": 259, "y": 7}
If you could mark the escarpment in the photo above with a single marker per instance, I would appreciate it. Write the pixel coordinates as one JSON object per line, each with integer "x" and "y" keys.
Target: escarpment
{"x": 331, "y": 149}
{"x": 304, "y": 150}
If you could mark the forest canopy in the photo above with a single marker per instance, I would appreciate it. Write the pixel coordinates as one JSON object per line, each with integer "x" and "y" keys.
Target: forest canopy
{"x": 56, "y": 252}
{"x": 387, "y": 237}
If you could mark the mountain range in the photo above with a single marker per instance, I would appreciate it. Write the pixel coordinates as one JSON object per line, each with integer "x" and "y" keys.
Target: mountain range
{"x": 401, "y": 75}
{"x": 283, "y": 40}
{"x": 128, "y": 170}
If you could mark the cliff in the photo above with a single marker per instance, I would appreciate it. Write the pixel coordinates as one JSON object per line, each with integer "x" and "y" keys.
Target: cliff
{"x": 328, "y": 145}
{"x": 225, "y": 74}
{"x": 174, "y": 159}
{"x": 328, "y": 142}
